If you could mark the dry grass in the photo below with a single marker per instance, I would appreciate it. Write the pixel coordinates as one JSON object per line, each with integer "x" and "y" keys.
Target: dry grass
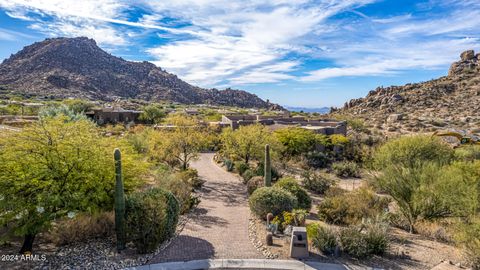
{"x": 436, "y": 230}
{"x": 82, "y": 228}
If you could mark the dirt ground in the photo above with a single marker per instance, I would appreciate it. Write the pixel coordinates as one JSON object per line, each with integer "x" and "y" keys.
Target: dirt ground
{"x": 406, "y": 252}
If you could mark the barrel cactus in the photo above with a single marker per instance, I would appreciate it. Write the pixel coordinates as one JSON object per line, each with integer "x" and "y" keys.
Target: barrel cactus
{"x": 119, "y": 202}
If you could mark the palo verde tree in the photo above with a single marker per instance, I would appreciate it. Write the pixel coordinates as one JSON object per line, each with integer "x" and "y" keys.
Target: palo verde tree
{"x": 296, "y": 141}
{"x": 180, "y": 142}
{"x": 247, "y": 142}
{"x": 418, "y": 173}
{"x": 55, "y": 168}
{"x": 152, "y": 114}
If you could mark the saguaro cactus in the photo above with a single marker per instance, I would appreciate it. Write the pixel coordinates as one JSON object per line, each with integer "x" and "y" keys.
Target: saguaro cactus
{"x": 268, "y": 168}
{"x": 119, "y": 201}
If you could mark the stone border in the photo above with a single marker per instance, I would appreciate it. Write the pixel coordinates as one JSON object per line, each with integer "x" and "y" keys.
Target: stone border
{"x": 241, "y": 264}
{"x": 258, "y": 243}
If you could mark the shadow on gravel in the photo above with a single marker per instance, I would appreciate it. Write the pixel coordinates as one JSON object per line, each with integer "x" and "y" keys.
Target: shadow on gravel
{"x": 201, "y": 218}
{"x": 185, "y": 248}
{"x": 232, "y": 194}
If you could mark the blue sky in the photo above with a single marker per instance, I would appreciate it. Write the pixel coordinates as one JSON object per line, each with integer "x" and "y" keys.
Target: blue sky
{"x": 293, "y": 52}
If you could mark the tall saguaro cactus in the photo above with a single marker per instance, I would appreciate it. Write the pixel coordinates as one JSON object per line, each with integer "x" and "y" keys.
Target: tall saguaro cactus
{"x": 119, "y": 202}
{"x": 268, "y": 168}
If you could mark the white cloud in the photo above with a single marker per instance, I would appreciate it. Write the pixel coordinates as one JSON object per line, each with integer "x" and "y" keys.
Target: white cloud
{"x": 240, "y": 43}
{"x": 221, "y": 42}
{"x": 399, "y": 43}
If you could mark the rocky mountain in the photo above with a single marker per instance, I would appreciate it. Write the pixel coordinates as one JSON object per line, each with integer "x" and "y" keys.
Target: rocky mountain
{"x": 77, "y": 67}
{"x": 450, "y": 102}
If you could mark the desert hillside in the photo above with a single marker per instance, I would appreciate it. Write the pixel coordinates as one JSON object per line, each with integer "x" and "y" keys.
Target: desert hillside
{"x": 449, "y": 102}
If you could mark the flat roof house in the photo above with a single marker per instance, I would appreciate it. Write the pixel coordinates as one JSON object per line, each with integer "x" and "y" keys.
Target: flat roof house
{"x": 320, "y": 126}
{"x": 112, "y": 115}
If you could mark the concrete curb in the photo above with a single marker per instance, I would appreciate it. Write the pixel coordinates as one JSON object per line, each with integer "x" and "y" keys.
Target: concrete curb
{"x": 240, "y": 264}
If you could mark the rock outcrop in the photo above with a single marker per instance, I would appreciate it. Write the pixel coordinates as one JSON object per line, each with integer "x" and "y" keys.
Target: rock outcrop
{"x": 450, "y": 102}
{"x": 77, "y": 67}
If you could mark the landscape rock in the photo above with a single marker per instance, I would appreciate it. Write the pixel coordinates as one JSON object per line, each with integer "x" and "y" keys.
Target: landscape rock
{"x": 395, "y": 117}
{"x": 467, "y": 55}
{"x": 427, "y": 105}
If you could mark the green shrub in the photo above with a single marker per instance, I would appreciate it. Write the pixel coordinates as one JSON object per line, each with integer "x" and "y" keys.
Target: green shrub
{"x": 468, "y": 236}
{"x": 354, "y": 242}
{"x": 254, "y": 183}
{"x": 418, "y": 173}
{"x": 316, "y": 159}
{"x": 346, "y": 169}
{"x": 377, "y": 237}
{"x": 289, "y": 184}
{"x": 190, "y": 176}
{"x": 271, "y": 200}
{"x": 468, "y": 153}
{"x": 323, "y": 238}
{"x": 287, "y": 220}
{"x": 260, "y": 171}
{"x": 312, "y": 229}
{"x": 299, "y": 216}
{"x": 228, "y": 164}
{"x": 334, "y": 210}
{"x": 247, "y": 175}
{"x": 179, "y": 185}
{"x": 351, "y": 207}
{"x": 241, "y": 167}
{"x": 151, "y": 218}
{"x": 316, "y": 182}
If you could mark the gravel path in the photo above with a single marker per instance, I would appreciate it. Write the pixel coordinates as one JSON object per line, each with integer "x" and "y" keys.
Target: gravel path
{"x": 218, "y": 227}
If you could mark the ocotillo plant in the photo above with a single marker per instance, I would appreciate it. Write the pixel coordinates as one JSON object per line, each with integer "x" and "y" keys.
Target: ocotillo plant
{"x": 268, "y": 168}
{"x": 119, "y": 202}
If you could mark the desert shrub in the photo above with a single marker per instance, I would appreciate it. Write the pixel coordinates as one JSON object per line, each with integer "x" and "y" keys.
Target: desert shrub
{"x": 346, "y": 169}
{"x": 241, "y": 167}
{"x": 316, "y": 182}
{"x": 260, "y": 171}
{"x": 316, "y": 159}
{"x": 289, "y": 184}
{"x": 354, "y": 242}
{"x": 139, "y": 141}
{"x": 299, "y": 216}
{"x": 271, "y": 200}
{"x": 287, "y": 219}
{"x": 180, "y": 186}
{"x": 418, "y": 173}
{"x": 254, "y": 183}
{"x": 376, "y": 235}
{"x": 435, "y": 229}
{"x": 334, "y": 210}
{"x": 468, "y": 236}
{"x": 351, "y": 207}
{"x": 81, "y": 228}
{"x": 247, "y": 175}
{"x": 323, "y": 238}
{"x": 335, "y": 191}
{"x": 151, "y": 217}
{"x": 191, "y": 177}
{"x": 468, "y": 153}
{"x": 312, "y": 229}
{"x": 228, "y": 164}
